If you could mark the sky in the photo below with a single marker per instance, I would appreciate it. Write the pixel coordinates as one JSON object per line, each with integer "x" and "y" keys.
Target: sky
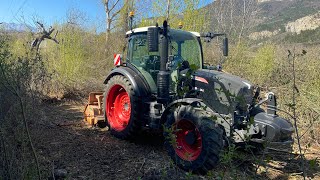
{"x": 48, "y": 11}
{"x": 51, "y": 11}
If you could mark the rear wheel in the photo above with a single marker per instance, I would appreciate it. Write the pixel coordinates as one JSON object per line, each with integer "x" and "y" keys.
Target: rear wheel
{"x": 192, "y": 139}
{"x": 121, "y": 107}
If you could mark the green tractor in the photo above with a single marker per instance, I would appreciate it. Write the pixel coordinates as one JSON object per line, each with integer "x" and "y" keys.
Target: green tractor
{"x": 164, "y": 85}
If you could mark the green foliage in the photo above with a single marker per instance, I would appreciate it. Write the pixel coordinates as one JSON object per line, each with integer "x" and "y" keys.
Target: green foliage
{"x": 71, "y": 57}
{"x": 255, "y": 66}
{"x": 193, "y": 18}
{"x": 271, "y": 26}
{"x": 184, "y": 11}
{"x": 122, "y": 24}
{"x": 237, "y": 62}
{"x": 295, "y": 12}
{"x": 20, "y": 67}
{"x": 228, "y": 155}
{"x": 314, "y": 163}
{"x": 307, "y": 36}
{"x": 78, "y": 62}
{"x": 261, "y": 66}
{"x": 19, "y": 79}
{"x": 4, "y": 50}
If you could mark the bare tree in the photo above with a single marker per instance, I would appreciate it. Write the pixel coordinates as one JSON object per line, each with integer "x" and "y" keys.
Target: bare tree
{"x": 112, "y": 9}
{"x": 168, "y": 10}
{"x": 122, "y": 23}
{"x": 43, "y": 34}
{"x": 235, "y": 17}
{"x": 249, "y": 7}
{"x": 76, "y": 17}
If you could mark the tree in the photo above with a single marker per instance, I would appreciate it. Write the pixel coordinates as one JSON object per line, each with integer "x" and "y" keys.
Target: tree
{"x": 122, "y": 23}
{"x": 43, "y": 34}
{"x": 234, "y": 17}
{"x": 193, "y": 17}
{"x": 174, "y": 11}
{"x": 165, "y": 10}
{"x": 112, "y": 9}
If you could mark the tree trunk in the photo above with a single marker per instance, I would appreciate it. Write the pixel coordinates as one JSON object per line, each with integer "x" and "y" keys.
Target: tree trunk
{"x": 108, "y": 21}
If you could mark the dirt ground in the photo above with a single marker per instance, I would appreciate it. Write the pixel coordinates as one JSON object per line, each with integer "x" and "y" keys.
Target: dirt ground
{"x": 66, "y": 145}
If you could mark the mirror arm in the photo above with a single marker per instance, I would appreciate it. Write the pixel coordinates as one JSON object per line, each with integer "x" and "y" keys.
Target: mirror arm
{"x": 211, "y": 35}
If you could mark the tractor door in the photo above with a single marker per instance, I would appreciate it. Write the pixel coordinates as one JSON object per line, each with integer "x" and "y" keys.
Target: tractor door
{"x": 148, "y": 63}
{"x": 185, "y": 52}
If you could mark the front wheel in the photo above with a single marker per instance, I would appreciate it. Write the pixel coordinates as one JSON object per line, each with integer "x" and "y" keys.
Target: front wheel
{"x": 193, "y": 140}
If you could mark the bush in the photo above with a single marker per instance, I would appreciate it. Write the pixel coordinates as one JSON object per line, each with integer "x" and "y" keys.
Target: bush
{"x": 262, "y": 65}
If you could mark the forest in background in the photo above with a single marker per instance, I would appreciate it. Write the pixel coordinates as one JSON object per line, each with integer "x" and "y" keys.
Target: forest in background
{"x": 76, "y": 61}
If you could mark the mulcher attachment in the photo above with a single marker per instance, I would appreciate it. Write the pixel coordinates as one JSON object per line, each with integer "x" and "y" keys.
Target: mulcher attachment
{"x": 93, "y": 110}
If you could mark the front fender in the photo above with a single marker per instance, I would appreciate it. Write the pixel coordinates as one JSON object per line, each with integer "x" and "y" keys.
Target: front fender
{"x": 186, "y": 101}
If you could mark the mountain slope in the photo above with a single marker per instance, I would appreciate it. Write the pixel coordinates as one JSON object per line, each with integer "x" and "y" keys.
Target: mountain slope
{"x": 14, "y": 27}
{"x": 276, "y": 14}
{"x": 276, "y": 19}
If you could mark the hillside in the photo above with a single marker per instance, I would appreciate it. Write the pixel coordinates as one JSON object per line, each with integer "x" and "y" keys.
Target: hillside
{"x": 287, "y": 19}
{"x": 15, "y": 27}
{"x": 292, "y": 21}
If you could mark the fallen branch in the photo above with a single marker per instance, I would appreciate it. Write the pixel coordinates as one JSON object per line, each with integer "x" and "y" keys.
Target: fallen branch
{"x": 144, "y": 161}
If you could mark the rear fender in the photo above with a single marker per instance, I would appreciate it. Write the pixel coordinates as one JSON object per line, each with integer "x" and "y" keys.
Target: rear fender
{"x": 140, "y": 88}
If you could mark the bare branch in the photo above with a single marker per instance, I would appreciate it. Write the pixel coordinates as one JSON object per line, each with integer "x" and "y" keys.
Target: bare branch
{"x": 112, "y": 10}
{"x": 114, "y": 14}
{"x": 114, "y": 5}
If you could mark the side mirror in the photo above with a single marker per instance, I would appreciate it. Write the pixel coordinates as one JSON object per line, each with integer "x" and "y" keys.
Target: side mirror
{"x": 225, "y": 47}
{"x": 153, "y": 39}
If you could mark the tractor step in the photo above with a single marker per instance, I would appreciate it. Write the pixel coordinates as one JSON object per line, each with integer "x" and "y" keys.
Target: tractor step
{"x": 93, "y": 110}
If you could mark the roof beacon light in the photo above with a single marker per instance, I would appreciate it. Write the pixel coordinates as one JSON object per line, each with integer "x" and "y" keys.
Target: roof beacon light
{"x": 180, "y": 25}
{"x": 131, "y": 14}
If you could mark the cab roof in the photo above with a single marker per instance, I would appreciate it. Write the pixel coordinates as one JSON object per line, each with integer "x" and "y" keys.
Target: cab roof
{"x": 145, "y": 29}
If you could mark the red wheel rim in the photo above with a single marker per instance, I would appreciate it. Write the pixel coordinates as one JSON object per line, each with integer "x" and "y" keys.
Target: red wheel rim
{"x": 118, "y": 108}
{"x": 185, "y": 149}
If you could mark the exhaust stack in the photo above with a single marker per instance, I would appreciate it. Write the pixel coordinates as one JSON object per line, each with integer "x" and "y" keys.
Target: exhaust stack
{"x": 163, "y": 75}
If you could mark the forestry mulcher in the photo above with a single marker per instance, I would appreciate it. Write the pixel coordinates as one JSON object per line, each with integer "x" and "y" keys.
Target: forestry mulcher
{"x": 164, "y": 85}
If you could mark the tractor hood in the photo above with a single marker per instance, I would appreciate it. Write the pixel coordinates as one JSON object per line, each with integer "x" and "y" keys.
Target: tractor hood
{"x": 222, "y": 91}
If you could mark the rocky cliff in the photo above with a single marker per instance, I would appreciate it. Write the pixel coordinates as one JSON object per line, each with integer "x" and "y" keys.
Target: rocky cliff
{"x": 310, "y": 22}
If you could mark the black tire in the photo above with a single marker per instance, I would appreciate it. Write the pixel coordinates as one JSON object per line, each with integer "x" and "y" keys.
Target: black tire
{"x": 184, "y": 119}
{"x": 123, "y": 118}
{"x": 102, "y": 124}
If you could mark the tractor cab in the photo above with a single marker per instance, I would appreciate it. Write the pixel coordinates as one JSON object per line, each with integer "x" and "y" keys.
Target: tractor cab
{"x": 184, "y": 50}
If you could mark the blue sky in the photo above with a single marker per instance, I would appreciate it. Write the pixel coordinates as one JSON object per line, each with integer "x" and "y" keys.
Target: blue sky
{"x": 50, "y": 11}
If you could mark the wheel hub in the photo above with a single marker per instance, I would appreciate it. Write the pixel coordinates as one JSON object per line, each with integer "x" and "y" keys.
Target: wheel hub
{"x": 188, "y": 144}
{"x": 190, "y": 137}
{"x": 118, "y": 108}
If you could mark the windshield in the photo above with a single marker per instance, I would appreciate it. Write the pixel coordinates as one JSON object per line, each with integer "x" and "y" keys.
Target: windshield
{"x": 185, "y": 46}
